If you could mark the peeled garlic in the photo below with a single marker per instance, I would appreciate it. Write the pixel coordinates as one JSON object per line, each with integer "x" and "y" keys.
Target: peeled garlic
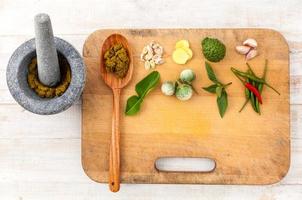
{"x": 152, "y": 55}
{"x": 251, "y": 54}
{"x": 159, "y": 61}
{"x": 250, "y": 42}
{"x": 152, "y": 64}
{"x": 147, "y": 65}
{"x": 148, "y": 56}
{"x": 158, "y": 50}
{"x": 243, "y": 49}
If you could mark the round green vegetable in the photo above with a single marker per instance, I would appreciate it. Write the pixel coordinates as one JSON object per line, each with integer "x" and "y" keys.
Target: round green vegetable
{"x": 168, "y": 88}
{"x": 187, "y": 75}
{"x": 213, "y": 49}
{"x": 184, "y": 92}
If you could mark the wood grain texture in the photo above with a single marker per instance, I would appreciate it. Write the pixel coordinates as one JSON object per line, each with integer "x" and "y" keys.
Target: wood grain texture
{"x": 247, "y": 148}
{"x": 114, "y": 154}
{"x": 116, "y": 84}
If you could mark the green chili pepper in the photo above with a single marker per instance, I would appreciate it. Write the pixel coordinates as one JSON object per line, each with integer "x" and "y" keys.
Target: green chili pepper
{"x": 250, "y": 69}
{"x": 253, "y": 78}
{"x": 257, "y": 102}
{"x": 252, "y": 98}
{"x": 245, "y": 103}
{"x": 257, "y": 106}
{"x": 247, "y": 97}
{"x": 255, "y": 98}
{"x": 260, "y": 87}
{"x": 247, "y": 93}
{"x": 253, "y": 102}
{"x": 247, "y": 75}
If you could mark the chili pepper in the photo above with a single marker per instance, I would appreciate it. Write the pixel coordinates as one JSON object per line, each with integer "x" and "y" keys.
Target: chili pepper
{"x": 254, "y": 91}
{"x": 247, "y": 75}
{"x": 250, "y": 69}
{"x": 256, "y": 102}
{"x": 247, "y": 97}
{"x": 245, "y": 103}
{"x": 252, "y": 77}
{"x": 260, "y": 86}
{"x": 257, "y": 106}
{"x": 247, "y": 93}
{"x": 252, "y": 97}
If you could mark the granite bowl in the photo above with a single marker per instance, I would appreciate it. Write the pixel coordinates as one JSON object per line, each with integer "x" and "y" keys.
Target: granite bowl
{"x": 16, "y": 77}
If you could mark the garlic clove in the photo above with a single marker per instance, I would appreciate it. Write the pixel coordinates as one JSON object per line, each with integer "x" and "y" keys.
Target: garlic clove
{"x": 243, "y": 49}
{"x": 142, "y": 57}
{"x": 251, "y": 54}
{"x": 152, "y": 64}
{"x": 148, "y": 56}
{"x": 250, "y": 42}
{"x": 147, "y": 65}
{"x": 158, "y": 51}
{"x": 158, "y": 61}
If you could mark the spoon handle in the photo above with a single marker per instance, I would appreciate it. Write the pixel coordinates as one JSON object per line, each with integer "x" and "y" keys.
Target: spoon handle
{"x": 114, "y": 158}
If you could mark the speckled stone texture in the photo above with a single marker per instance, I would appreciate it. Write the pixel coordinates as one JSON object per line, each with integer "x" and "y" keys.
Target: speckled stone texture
{"x": 16, "y": 76}
{"x": 48, "y": 64}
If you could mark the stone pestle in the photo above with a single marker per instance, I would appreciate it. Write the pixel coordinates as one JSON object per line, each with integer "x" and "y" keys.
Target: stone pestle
{"x": 47, "y": 57}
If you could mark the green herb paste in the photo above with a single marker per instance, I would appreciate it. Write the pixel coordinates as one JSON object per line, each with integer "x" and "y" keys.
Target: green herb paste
{"x": 45, "y": 91}
{"x": 117, "y": 60}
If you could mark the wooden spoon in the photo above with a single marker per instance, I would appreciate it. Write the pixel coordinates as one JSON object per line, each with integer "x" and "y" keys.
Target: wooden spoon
{"x": 116, "y": 84}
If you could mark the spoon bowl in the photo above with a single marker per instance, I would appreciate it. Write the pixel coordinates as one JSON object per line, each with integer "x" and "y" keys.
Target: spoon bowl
{"x": 116, "y": 84}
{"x": 110, "y": 79}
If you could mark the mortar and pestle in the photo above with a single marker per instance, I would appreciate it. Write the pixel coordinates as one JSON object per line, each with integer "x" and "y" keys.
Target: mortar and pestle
{"x": 50, "y": 52}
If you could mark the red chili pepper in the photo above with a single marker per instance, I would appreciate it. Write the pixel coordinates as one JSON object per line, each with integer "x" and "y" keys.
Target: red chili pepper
{"x": 254, "y": 91}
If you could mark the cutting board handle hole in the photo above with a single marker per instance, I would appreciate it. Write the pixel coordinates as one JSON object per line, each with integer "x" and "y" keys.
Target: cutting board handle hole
{"x": 183, "y": 164}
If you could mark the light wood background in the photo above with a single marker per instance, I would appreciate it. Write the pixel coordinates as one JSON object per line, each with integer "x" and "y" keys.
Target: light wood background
{"x": 40, "y": 155}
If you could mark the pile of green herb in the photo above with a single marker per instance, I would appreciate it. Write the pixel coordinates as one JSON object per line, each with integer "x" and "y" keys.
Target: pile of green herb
{"x": 217, "y": 88}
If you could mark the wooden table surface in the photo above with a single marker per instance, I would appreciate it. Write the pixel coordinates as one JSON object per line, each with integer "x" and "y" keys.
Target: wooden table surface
{"x": 40, "y": 156}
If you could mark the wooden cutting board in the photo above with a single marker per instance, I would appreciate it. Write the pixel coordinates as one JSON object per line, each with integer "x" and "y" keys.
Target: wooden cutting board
{"x": 247, "y": 148}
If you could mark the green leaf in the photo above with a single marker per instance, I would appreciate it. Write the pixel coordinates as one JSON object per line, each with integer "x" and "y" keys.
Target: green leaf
{"x": 133, "y": 105}
{"x": 218, "y": 91}
{"x": 143, "y": 87}
{"x": 211, "y": 88}
{"x": 222, "y": 102}
{"x": 211, "y": 73}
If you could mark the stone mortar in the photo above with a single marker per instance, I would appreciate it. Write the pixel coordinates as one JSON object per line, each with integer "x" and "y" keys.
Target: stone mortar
{"x": 16, "y": 77}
